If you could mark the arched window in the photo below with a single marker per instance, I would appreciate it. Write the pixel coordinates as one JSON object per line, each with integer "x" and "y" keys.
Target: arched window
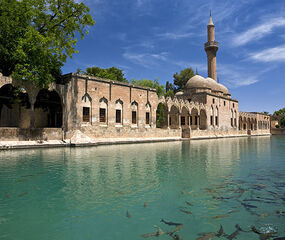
{"x": 212, "y": 116}
{"x": 103, "y": 110}
{"x": 232, "y": 118}
{"x": 134, "y": 112}
{"x": 217, "y": 116}
{"x": 235, "y": 118}
{"x": 119, "y": 111}
{"x": 147, "y": 113}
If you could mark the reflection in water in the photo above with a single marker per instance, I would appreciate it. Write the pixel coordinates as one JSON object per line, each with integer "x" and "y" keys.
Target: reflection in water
{"x": 84, "y": 193}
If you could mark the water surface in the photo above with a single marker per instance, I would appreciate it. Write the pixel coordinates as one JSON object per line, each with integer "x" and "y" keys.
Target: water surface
{"x": 84, "y": 193}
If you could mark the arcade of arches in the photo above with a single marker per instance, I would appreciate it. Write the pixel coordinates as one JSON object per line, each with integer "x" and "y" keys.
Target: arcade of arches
{"x": 16, "y": 111}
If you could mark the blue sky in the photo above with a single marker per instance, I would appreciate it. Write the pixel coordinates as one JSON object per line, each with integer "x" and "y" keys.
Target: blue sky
{"x": 156, "y": 38}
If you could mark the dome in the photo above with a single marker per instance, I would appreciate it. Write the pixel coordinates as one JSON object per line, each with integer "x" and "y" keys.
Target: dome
{"x": 197, "y": 82}
{"x": 179, "y": 93}
{"x": 224, "y": 89}
{"x": 214, "y": 85}
{"x": 217, "y": 86}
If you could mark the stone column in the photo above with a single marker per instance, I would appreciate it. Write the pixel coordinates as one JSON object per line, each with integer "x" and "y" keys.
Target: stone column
{"x": 198, "y": 122}
{"x": 168, "y": 120}
{"x": 32, "y": 91}
{"x": 179, "y": 120}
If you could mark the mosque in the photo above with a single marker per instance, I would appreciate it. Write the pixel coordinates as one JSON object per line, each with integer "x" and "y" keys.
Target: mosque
{"x": 85, "y": 107}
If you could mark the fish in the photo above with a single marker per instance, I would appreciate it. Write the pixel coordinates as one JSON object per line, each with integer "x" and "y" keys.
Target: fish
{"x": 185, "y": 211}
{"x": 21, "y": 180}
{"x": 233, "y": 211}
{"x": 255, "y": 230}
{"x": 128, "y": 214}
{"x": 145, "y": 204}
{"x": 158, "y": 233}
{"x": 176, "y": 229}
{"x": 220, "y": 232}
{"x": 29, "y": 175}
{"x": 265, "y": 236}
{"x": 171, "y": 223}
{"x": 176, "y": 236}
{"x": 248, "y": 205}
{"x": 188, "y": 203}
{"x": 233, "y": 235}
{"x": 252, "y": 200}
{"x": 22, "y": 194}
{"x": 279, "y": 238}
{"x": 207, "y": 236}
{"x": 220, "y": 216}
{"x": 210, "y": 190}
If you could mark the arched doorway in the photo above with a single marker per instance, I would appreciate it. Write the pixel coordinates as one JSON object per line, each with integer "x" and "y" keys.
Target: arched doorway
{"x": 194, "y": 119}
{"x": 174, "y": 117}
{"x": 14, "y": 107}
{"x": 161, "y": 115}
{"x": 48, "y": 109}
{"x": 203, "y": 120}
{"x": 184, "y": 118}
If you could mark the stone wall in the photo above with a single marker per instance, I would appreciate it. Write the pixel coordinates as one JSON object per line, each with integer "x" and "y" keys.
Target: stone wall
{"x": 19, "y": 134}
{"x": 278, "y": 131}
{"x": 95, "y": 93}
{"x": 126, "y": 132}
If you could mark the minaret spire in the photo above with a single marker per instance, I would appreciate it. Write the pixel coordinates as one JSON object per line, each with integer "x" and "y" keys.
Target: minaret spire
{"x": 211, "y": 47}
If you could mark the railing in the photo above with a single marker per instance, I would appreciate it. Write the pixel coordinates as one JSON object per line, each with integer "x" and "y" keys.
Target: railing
{"x": 211, "y": 44}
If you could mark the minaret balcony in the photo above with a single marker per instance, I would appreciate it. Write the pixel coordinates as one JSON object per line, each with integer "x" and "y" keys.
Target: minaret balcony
{"x": 211, "y": 44}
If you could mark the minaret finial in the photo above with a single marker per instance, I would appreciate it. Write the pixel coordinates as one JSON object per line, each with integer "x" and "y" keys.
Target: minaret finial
{"x": 197, "y": 71}
{"x": 210, "y": 13}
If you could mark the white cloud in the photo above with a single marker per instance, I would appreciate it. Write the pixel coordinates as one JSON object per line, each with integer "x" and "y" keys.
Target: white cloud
{"x": 276, "y": 54}
{"x": 174, "y": 36}
{"x": 235, "y": 77}
{"x": 258, "y": 32}
{"x": 147, "y": 60}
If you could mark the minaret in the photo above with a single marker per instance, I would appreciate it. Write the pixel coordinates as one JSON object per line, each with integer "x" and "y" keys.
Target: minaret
{"x": 211, "y": 47}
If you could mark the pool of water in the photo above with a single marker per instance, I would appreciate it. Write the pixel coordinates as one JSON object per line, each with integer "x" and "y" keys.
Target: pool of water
{"x": 123, "y": 191}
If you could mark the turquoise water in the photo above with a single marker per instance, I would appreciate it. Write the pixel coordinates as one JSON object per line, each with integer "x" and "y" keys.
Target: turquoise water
{"x": 85, "y": 193}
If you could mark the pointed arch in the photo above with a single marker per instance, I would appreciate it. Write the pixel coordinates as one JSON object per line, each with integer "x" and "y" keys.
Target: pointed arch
{"x": 119, "y": 111}
{"x": 103, "y": 110}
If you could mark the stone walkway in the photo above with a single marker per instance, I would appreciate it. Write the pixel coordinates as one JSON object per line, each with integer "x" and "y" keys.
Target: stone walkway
{"x": 5, "y": 145}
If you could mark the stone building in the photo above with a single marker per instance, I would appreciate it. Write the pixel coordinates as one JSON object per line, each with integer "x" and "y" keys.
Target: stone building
{"x": 100, "y": 108}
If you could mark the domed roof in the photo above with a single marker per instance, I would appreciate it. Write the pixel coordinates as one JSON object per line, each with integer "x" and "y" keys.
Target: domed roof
{"x": 214, "y": 85}
{"x": 197, "y": 82}
{"x": 224, "y": 89}
{"x": 179, "y": 93}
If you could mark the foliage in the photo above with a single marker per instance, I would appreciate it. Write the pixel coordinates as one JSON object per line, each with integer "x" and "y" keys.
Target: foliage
{"x": 160, "y": 90}
{"x": 37, "y": 36}
{"x": 169, "y": 87}
{"x": 108, "y": 73}
{"x": 280, "y": 116}
{"x": 280, "y": 112}
{"x": 160, "y": 118}
{"x": 169, "y": 94}
{"x": 181, "y": 79}
{"x": 277, "y": 126}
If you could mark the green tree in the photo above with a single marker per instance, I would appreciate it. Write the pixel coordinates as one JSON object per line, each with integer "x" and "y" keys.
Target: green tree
{"x": 169, "y": 94}
{"x": 108, "y": 73}
{"x": 160, "y": 89}
{"x": 37, "y": 36}
{"x": 160, "y": 116}
{"x": 180, "y": 79}
{"x": 280, "y": 116}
